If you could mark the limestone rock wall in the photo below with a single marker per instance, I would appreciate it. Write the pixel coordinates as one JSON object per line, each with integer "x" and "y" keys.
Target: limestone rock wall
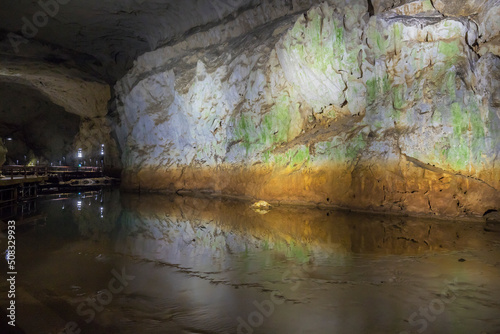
{"x": 396, "y": 111}
{"x": 93, "y": 133}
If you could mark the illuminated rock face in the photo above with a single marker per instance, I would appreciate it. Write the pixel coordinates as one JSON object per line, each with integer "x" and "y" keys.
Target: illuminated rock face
{"x": 394, "y": 112}
{"x": 93, "y": 133}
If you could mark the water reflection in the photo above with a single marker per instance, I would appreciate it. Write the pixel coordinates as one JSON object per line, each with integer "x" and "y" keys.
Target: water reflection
{"x": 25, "y": 212}
{"x": 217, "y": 266}
{"x": 195, "y": 226}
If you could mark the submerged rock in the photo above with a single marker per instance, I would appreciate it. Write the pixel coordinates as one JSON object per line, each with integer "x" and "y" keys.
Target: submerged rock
{"x": 261, "y": 207}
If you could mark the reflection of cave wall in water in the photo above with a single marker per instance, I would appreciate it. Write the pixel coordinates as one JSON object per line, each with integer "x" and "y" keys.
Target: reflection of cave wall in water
{"x": 39, "y": 129}
{"x": 187, "y": 230}
{"x": 96, "y": 213}
{"x": 397, "y": 111}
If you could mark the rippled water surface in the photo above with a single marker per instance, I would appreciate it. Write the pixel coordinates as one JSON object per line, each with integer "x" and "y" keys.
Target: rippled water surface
{"x": 111, "y": 263}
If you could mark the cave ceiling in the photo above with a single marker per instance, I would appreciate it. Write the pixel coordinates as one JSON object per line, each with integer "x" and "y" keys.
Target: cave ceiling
{"x": 103, "y": 37}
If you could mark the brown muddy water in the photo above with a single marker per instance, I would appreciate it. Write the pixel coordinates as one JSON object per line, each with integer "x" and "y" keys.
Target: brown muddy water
{"x": 107, "y": 262}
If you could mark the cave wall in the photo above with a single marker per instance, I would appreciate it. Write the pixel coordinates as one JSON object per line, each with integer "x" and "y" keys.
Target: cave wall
{"x": 45, "y": 133}
{"x": 396, "y": 111}
{"x": 52, "y": 110}
{"x": 93, "y": 133}
{"x": 40, "y": 130}
{"x": 3, "y": 153}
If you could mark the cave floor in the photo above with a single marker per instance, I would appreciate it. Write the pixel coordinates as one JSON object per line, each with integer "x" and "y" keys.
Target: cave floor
{"x": 106, "y": 262}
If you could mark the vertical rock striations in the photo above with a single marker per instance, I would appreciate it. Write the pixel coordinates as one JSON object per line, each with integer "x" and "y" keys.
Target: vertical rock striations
{"x": 397, "y": 111}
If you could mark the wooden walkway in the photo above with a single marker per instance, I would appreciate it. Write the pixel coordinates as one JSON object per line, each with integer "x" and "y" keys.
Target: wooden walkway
{"x": 20, "y": 183}
{"x": 32, "y": 174}
{"x": 9, "y": 181}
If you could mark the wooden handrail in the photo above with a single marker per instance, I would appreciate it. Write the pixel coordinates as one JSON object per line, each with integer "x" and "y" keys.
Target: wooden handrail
{"x": 13, "y": 170}
{"x": 20, "y": 170}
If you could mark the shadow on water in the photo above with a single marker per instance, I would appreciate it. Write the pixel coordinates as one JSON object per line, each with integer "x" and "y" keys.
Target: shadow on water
{"x": 105, "y": 262}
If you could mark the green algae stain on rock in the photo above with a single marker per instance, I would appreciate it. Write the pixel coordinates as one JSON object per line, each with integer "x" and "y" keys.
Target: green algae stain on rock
{"x": 381, "y": 42}
{"x": 398, "y": 98}
{"x": 397, "y": 29}
{"x": 371, "y": 90}
{"x": 273, "y": 128}
{"x": 449, "y": 49}
{"x": 459, "y": 120}
{"x": 300, "y": 156}
{"x": 465, "y": 146}
{"x": 458, "y": 153}
{"x": 293, "y": 158}
{"x": 355, "y": 146}
{"x": 276, "y": 124}
{"x": 478, "y": 134}
{"x": 243, "y": 131}
{"x": 340, "y": 150}
{"x": 315, "y": 43}
{"x": 377, "y": 87}
{"x": 377, "y": 41}
{"x": 450, "y": 84}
